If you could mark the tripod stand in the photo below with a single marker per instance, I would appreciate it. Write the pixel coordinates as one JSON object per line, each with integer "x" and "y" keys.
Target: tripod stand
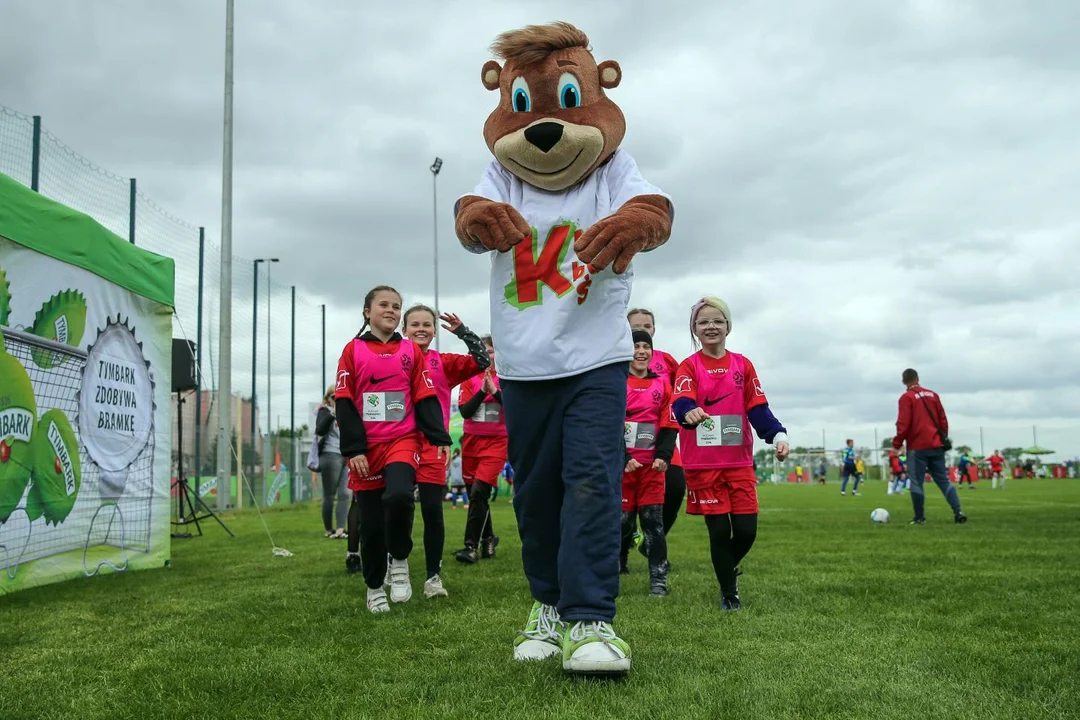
{"x": 183, "y": 490}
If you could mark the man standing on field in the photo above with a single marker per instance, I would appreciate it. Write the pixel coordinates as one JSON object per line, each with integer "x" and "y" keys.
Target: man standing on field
{"x": 923, "y": 425}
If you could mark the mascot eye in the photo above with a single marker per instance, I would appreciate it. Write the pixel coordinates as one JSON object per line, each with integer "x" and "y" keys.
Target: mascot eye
{"x": 569, "y": 91}
{"x": 519, "y": 95}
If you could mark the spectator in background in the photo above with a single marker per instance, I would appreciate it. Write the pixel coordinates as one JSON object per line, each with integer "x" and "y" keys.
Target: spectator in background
{"x": 335, "y": 475}
{"x": 849, "y": 471}
{"x": 922, "y": 424}
{"x": 457, "y": 482}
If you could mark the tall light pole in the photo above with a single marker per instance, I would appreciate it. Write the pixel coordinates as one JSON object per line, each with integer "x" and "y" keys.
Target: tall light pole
{"x": 268, "y": 396}
{"x": 224, "y": 459}
{"x": 254, "y": 357}
{"x": 435, "y": 168}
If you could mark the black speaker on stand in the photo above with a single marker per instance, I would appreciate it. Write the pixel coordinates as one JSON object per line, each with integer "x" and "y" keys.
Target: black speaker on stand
{"x": 185, "y": 378}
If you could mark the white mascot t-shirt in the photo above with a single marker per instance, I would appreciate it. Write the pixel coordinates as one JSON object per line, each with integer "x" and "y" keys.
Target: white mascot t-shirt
{"x": 551, "y": 317}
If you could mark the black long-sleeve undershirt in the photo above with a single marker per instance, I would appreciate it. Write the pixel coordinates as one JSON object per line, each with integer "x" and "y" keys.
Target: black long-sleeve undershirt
{"x": 468, "y": 410}
{"x": 429, "y": 421}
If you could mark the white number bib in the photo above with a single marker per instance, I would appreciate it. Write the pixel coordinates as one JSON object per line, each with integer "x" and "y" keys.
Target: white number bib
{"x": 487, "y": 413}
{"x": 384, "y": 407}
{"x": 639, "y": 435}
{"x": 720, "y": 430}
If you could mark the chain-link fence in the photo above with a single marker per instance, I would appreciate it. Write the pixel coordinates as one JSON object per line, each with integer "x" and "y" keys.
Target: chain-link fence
{"x": 268, "y": 318}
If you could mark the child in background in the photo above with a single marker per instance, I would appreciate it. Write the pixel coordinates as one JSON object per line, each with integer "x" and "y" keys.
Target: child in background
{"x": 384, "y": 401}
{"x": 718, "y": 399}
{"x": 446, "y": 371}
{"x": 649, "y": 436}
{"x": 457, "y": 483}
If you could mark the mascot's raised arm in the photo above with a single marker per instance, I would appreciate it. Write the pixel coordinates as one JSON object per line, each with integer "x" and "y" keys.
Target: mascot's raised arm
{"x": 563, "y": 210}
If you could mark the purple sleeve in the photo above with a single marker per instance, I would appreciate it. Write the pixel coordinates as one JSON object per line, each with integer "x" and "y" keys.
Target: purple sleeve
{"x": 764, "y": 422}
{"x": 680, "y": 407}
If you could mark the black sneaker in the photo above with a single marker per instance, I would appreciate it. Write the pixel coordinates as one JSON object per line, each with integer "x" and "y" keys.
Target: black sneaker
{"x": 960, "y": 518}
{"x": 487, "y": 547}
{"x": 467, "y": 555}
{"x": 658, "y": 586}
{"x": 353, "y": 564}
{"x": 730, "y": 603}
{"x": 918, "y": 521}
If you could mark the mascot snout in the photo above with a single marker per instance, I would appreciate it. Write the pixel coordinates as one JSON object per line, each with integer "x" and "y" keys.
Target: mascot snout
{"x": 549, "y": 153}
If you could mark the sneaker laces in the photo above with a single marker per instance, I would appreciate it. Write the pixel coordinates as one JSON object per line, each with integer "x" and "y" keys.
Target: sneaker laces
{"x": 544, "y": 627}
{"x": 601, "y": 630}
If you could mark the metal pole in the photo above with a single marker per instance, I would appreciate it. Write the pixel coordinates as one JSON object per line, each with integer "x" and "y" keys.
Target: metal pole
{"x": 198, "y": 366}
{"x": 435, "y": 167}
{"x": 1034, "y": 437}
{"x": 254, "y": 354}
{"x": 35, "y": 161}
{"x": 982, "y": 445}
{"x": 131, "y": 211}
{"x": 292, "y": 402}
{"x": 225, "y": 304}
{"x": 323, "y": 386}
{"x": 269, "y": 397}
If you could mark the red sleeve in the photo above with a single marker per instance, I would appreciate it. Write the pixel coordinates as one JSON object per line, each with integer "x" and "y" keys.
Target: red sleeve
{"x": 752, "y": 392}
{"x": 345, "y": 371}
{"x": 465, "y": 392}
{"x": 459, "y": 368}
{"x": 667, "y": 416}
{"x": 903, "y": 421}
{"x": 685, "y": 381}
{"x": 672, "y": 366}
{"x": 421, "y": 385}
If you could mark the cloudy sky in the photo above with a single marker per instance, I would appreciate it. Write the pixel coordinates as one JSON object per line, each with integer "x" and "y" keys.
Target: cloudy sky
{"x": 870, "y": 185}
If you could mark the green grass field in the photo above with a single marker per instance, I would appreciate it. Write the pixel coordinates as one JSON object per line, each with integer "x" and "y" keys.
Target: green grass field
{"x": 841, "y": 619}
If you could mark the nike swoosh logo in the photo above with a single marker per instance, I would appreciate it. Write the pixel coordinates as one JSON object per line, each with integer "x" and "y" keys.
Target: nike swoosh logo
{"x": 376, "y": 381}
{"x": 713, "y": 401}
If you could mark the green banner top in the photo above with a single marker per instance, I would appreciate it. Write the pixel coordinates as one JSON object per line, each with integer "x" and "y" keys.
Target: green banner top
{"x": 51, "y": 228}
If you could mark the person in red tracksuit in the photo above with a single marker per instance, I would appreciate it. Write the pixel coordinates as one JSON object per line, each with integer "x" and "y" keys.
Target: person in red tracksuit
{"x": 922, "y": 424}
{"x": 446, "y": 371}
{"x": 385, "y": 400}
{"x": 997, "y": 465}
{"x": 664, "y": 365}
{"x": 649, "y": 437}
{"x": 483, "y": 454}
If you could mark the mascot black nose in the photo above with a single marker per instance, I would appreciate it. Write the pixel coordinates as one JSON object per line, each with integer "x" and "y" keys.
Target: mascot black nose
{"x": 545, "y": 135}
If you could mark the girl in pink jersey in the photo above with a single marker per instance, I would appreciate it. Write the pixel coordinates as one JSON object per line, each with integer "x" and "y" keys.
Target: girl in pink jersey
{"x": 385, "y": 402}
{"x": 446, "y": 371}
{"x": 664, "y": 365}
{"x": 718, "y": 400}
{"x": 649, "y": 439}
{"x": 483, "y": 455}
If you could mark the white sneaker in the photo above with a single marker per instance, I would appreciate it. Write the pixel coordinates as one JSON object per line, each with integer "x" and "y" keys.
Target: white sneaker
{"x": 398, "y": 574}
{"x": 376, "y": 601}
{"x": 433, "y": 587}
{"x": 594, "y": 648}
{"x": 542, "y": 636}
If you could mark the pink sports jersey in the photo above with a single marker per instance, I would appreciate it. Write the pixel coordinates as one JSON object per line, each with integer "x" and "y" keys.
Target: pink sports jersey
{"x": 726, "y": 439}
{"x": 381, "y": 391}
{"x": 489, "y": 419}
{"x": 643, "y": 408}
{"x": 663, "y": 365}
{"x": 437, "y": 375}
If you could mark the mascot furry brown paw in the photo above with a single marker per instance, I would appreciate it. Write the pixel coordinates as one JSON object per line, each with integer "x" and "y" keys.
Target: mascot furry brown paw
{"x": 563, "y": 211}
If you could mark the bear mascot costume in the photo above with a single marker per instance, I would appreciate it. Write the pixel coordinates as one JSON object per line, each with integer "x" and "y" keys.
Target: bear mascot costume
{"x": 562, "y": 210}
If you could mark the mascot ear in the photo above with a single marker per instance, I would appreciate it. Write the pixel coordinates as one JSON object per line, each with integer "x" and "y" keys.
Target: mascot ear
{"x": 490, "y": 74}
{"x": 610, "y": 74}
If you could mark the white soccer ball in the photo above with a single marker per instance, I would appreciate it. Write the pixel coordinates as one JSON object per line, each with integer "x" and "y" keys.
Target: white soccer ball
{"x": 879, "y": 515}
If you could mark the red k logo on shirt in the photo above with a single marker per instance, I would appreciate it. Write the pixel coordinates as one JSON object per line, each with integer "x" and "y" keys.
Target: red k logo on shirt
{"x": 535, "y": 267}
{"x": 427, "y": 380}
{"x": 683, "y": 384}
{"x": 342, "y": 379}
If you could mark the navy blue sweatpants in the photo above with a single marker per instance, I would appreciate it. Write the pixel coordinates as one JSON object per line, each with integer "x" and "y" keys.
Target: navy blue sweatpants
{"x": 566, "y": 447}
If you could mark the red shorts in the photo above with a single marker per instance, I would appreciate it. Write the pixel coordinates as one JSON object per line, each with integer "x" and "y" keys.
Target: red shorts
{"x": 432, "y": 468}
{"x": 482, "y": 458}
{"x": 642, "y": 487}
{"x": 405, "y": 449}
{"x": 719, "y": 492}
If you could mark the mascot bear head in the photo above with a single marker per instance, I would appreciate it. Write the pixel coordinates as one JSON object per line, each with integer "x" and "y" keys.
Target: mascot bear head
{"x": 553, "y": 125}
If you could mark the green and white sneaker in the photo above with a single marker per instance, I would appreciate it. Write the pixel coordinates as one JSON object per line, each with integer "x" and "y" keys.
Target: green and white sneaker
{"x": 543, "y": 634}
{"x": 593, "y": 648}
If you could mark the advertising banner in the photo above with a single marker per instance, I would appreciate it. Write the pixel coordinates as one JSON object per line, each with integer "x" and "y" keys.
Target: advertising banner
{"x": 85, "y": 384}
